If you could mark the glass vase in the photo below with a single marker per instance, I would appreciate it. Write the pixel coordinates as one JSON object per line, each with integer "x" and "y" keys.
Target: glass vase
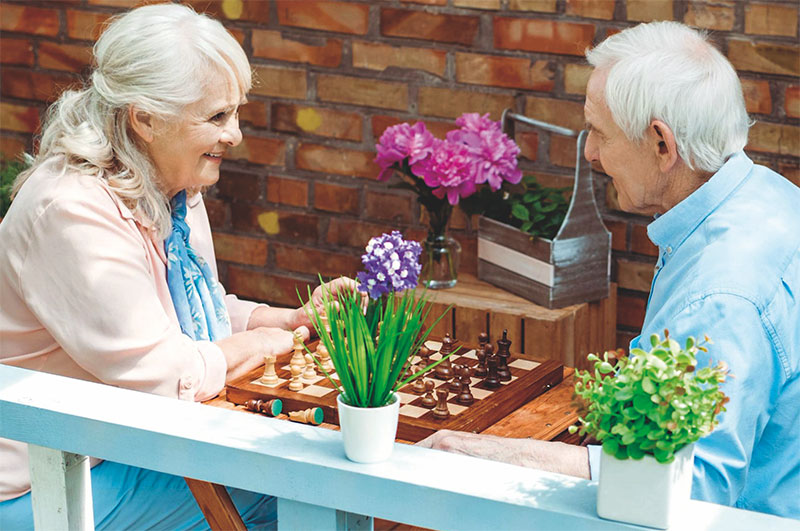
{"x": 440, "y": 258}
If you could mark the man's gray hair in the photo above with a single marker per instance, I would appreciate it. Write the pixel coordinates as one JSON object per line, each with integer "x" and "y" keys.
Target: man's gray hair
{"x": 670, "y": 72}
{"x": 158, "y": 59}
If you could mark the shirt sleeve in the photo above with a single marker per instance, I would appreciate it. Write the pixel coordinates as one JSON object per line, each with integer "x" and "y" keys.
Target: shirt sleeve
{"x": 740, "y": 339}
{"x": 87, "y": 278}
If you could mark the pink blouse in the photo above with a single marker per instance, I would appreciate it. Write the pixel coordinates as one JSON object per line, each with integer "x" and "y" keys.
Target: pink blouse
{"x": 84, "y": 294}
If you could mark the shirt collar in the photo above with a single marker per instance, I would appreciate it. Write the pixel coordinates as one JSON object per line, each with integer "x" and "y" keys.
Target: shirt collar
{"x": 671, "y": 228}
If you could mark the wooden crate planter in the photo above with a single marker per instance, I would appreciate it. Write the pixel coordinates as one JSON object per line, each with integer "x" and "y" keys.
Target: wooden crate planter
{"x": 573, "y": 267}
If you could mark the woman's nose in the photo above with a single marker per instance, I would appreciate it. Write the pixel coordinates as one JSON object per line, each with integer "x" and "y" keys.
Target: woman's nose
{"x": 231, "y": 134}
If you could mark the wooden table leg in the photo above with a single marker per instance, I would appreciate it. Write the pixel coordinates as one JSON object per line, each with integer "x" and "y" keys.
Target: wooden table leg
{"x": 217, "y": 506}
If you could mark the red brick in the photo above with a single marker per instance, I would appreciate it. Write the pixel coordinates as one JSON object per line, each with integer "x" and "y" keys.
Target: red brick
{"x": 30, "y": 84}
{"x": 791, "y": 172}
{"x": 85, "y": 25}
{"x": 595, "y": 9}
{"x": 764, "y": 57}
{"x": 254, "y": 112}
{"x": 649, "y": 10}
{"x": 279, "y": 82}
{"x": 239, "y": 185}
{"x": 779, "y": 139}
{"x": 325, "y": 159}
{"x": 792, "y": 101}
{"x": 500, "y": 71}
{"x": 286, "y": 226}
{"x": 710, "y": 16}
{"x": 116, "y": 3}
{"x": 360, "y": 91}
{"x": 292, "y": 192}
{"x": 619, "y": 233}
{"x": 576, "y": 77}
{"x": 770, "y": 19}
{"x": 426, "y": 2}
{"x": 343, "y": 17}
{"x": 640, "y": 243}
{"x": 634, "y": 275}
{"x": 528, "y": 142}
{"x": 387, "y": 206}
{"x": 217, "y": 212}
{"x": 537, "y": 35}
{"x": 315, "y": 261}
{"x": 456, "y": 29}
{"x": 438, "y": 129}
{"x": 235, "y": 10}
{"x": 336, "y": 198}
{"x": 23, "y": 19}
{"x": 301, "y": 119}
{"x": 274, "y": 289}
{"x": 560, "y": 112}
{"x": 562, "y": 151}
{"x": 545, "y": 6}
{"x": 449, "y": 103}
{"x": 552, "y": 180}
{"x": 259, "y": 150}
{"x": 19, "y": 118}
{"x": 756, "y": 96}
{"x": 11, "y": 148}
{"x": 16, "y": 52}
{"x": 68, "y": 57}
{"x": 272, "y": 45}
{"x": 240, "y": 249}
{"x": 477, "y": 4}
{"x": 378, "y": 56}
{"x": 630, "y": 310}
{"x": 238, "y": 34}
{"x": 353, "y": 233}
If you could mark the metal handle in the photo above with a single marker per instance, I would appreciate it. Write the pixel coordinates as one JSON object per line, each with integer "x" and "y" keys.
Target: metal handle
{"x": 509, "y": 118}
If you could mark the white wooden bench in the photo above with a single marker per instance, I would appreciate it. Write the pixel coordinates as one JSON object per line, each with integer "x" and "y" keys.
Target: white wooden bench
{"x": 64, "y": 419}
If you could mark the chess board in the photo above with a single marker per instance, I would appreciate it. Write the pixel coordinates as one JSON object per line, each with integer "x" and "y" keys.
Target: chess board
{"x": 529, "y": 379}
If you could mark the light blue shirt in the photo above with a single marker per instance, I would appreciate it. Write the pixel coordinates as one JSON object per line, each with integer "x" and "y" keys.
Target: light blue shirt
{"x": 729, "y": 267}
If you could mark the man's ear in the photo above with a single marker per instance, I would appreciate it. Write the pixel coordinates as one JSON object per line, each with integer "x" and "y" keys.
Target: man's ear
{"x": 663, "y": 142}
{"x": 142, "y": 123}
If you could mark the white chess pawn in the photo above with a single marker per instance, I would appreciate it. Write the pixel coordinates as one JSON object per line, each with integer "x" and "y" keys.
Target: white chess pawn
{"x": 270, "y": 377}
{"x": 325, "y": 358}
{"x": 296, "y": 384}
{"x": 309, "y": 374}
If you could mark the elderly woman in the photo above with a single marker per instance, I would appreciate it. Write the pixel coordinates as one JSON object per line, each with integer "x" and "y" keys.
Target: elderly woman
{"x": 108, "y": 270}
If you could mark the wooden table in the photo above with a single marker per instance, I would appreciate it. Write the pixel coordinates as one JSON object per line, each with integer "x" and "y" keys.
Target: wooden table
{"x": 546, "y": 417}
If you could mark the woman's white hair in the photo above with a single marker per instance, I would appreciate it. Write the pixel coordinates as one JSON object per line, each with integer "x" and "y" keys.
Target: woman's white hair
{"x": 667, "y": 71}
{"x": 158, "y": 59}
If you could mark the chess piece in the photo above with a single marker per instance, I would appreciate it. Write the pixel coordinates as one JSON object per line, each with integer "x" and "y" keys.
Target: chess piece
{"x": 465, "y": 397}
{"x": 503, "y": 353}
{"x": 428, "y": 400}
{"x": 483, "y": 338}
{"x": 481, "y": 369}
{"x": 441, "y": 411}
{"x": 270, "y": 377}
{"x": 297, "y": 357}
{"x": 325, "y": 358}
{"x": 312, "y": 415}
{"x": 296, "y": 384}
{"x": 455, "y": 383}
{"x": 444, "y": 371}
{"x": 447, "y": 345}
{"x": 309, "y": 374}
{"x": 492, "y": 381}
{"x": 424, "y": 356}
{"x": 418, "y": 387}
{"x": 270, "y": 408}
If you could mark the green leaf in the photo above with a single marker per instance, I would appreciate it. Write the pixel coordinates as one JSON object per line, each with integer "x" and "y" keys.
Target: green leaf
{"x": 648, "y": 386}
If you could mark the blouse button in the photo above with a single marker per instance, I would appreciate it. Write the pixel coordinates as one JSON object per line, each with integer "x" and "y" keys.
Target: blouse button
{"x": 187, "y": 383}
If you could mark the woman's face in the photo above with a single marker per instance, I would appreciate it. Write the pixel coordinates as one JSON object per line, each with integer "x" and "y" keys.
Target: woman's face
{"x": 187, "y": 154}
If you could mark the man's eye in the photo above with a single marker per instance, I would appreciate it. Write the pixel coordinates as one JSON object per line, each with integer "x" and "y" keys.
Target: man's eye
{"x": 218, "y": 117}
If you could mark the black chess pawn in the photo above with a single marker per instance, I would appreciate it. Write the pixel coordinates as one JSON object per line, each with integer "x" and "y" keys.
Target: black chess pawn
{"x": 424, "y": 356}
{"x": 447, "y": 345}
{"x": 465, "y": 397}
{"x": 483, "y": 338}
{"x": 428, "y": 400}
{"x": 441, "y": 411}
{"x": 455, "y": 383}
{"x": 418, "y": 387}
{"x": 492, "y": 381}
{"x": 481, "y": 369}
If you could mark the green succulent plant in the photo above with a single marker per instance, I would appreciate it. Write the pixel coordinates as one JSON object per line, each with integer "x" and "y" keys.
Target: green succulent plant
{"x": 651, "y": 402}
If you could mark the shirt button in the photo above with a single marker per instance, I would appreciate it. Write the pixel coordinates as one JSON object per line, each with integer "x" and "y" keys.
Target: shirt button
{"x": 187, "y": 383}
{"x": 669, "y": 250}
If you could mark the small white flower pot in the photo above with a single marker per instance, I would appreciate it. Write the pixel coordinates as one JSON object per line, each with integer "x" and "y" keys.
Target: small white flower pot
{"x": 644, "y": 491}
{"x": 368, "y": 432}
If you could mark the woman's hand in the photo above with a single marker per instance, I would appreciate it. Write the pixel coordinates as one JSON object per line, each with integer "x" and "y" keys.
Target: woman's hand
{"x": 246, "y": 350}
{"x": 339, "y": 285}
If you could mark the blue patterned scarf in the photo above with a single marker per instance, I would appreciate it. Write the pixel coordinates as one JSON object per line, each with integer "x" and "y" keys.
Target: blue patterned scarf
{"x": 197, "y": 296}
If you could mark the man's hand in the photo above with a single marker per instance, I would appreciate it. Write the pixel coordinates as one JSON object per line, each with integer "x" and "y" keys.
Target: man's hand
{"x": 543, "y": 455}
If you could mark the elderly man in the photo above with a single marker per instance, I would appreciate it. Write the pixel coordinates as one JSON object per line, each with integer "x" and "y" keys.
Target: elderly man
{"x": 667, "y": 122}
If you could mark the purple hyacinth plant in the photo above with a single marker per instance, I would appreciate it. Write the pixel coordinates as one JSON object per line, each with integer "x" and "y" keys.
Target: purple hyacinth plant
{"x": 391, "y": 265}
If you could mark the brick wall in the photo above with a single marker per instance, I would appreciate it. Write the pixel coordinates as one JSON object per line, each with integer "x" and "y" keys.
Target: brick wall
{"x": 299, "y": 196}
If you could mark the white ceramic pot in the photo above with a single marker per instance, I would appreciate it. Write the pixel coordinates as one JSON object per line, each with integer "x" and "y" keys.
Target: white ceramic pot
{"x": 644, "y": 491}
{"x": 368, "y": 432}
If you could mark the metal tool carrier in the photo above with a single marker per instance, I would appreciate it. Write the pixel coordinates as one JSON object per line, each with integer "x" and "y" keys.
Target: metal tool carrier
{"x": 573, "y": 267}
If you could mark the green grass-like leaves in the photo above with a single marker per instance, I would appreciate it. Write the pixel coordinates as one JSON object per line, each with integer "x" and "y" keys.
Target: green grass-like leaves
{"x": 651, "y": 403}
{"x": 371, "y": 348}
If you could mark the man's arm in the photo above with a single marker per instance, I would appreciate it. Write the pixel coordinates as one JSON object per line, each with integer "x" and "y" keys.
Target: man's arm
{"x": 549, "y": 456}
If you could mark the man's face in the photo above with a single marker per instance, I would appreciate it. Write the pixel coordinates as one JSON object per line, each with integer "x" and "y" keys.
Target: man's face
{"x": 633, "y": 167}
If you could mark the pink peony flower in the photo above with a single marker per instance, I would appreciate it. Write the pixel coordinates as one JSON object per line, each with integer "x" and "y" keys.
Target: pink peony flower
{"x": 450, "y": 170}
{"x": 401, "y": 141}
{"x": 495, "y": 153}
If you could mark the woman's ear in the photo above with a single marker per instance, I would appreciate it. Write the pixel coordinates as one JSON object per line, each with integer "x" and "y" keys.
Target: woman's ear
{"x": 663, "y": 142}
{"x": 142, "y": 124}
